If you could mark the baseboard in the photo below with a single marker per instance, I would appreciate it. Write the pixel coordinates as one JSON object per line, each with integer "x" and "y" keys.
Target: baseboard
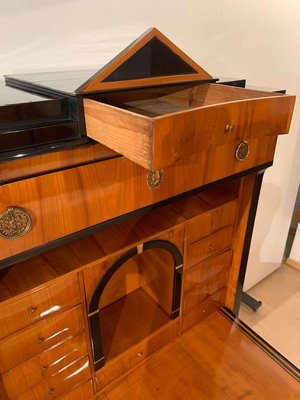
{"x": 293, "y": 263}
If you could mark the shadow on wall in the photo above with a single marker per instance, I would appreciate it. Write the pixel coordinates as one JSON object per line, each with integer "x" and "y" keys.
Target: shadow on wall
{"x": 257, "y": 269}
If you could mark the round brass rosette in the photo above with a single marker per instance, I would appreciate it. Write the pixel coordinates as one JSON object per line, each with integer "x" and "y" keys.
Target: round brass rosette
{"x": 242, "y": 151}
{"x": 15, "y": 222}
{"x": 154, "y": 179}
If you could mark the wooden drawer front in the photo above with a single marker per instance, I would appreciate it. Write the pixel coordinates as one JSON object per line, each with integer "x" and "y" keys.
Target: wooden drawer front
{"x": 209, "y": 246}
{"x": 28, "y": 374}
{"x": 200, "y": 272}
{"x": 86, "y": 191}
{"x": 205, "y": 308}
{"x": 211, "y": 222}
{"x": 40, "y": 336}
{"x": 195, "y": 296}
{"x": 157, "y": 132}
{"x": 57, "y": 384}
{"x": 84, "y": 391}
{"x": 61, "y": 295}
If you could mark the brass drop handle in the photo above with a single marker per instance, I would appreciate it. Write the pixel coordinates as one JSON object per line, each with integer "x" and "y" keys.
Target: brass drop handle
{"x": 32, "y": 310}
{"x": 209, "y": 270}
{"x": 229, "y": 128}
{"x": 41, "y": 340}
{"x": 211, "y": 248}
{"x": 51, "y": 390}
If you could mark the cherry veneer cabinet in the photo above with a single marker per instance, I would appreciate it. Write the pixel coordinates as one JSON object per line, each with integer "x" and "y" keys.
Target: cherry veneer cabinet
{"x": 111, "y": 250}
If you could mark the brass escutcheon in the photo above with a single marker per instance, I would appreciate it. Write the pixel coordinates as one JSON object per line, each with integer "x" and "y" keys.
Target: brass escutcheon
{"x": 154, "y": 179}
{"x": 242, "y": 151}
{"x": 14, "y": 223}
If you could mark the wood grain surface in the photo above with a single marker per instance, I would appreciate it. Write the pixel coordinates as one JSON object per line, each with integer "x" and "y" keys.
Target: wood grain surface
{"x": 212, "y": 361}
{"x": 67, "y": 201}
{"x": 156, "y": 142}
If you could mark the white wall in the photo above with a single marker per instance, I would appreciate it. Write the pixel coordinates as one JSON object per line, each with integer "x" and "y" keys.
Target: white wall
{"x": 251, "y": 38}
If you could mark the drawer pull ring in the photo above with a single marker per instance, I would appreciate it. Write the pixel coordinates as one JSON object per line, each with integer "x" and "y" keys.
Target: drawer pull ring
{"x": 41, "y": 340}
{"x": 154, "y": 179}
{"x": 51, "y": 390}
{"x": 32, "y": 310}
{"x": 14, "y": 223}
{"x": 242, "y": 151}
{"x": 229, "y": 128}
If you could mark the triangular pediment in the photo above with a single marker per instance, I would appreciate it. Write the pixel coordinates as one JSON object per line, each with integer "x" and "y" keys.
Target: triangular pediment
{"x": 152, "y": 59}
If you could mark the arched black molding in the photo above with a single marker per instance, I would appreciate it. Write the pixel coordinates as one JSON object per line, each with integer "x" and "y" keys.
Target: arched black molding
{"x": 93, "y": 311}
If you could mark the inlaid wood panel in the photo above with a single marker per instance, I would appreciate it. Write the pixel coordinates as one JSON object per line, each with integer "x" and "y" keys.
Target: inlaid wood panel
{"x": 40, "y": 336}
{"x": 86, "y": 191}
{"x": 209, "y": 246}
{"x": 57, "y": 384}
{"x": 28, "y": 374}
{"x": 210, "y": 222}
{"x": 206, "y": 269}
{"x": 195, "y": 296}
{"x": 42, "y": 303}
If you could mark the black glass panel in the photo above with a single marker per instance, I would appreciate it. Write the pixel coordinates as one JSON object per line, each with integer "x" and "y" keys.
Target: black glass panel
{"x": 152, "y": 60}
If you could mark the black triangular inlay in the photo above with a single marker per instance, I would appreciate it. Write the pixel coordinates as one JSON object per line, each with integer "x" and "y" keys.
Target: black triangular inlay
{"x": 152, "y": 60}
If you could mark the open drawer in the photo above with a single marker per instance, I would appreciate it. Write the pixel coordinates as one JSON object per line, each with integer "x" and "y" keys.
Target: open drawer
{"x": 157, "y": 127}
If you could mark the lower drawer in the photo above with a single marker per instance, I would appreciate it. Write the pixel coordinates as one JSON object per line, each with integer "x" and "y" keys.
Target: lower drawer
{"x": 200, "y": 312}
{"x": 205, "y": 270}
{"x": 209, "y": 246}
{"x": 195, "y": 296}
{"x": 30, "y": 373}
{"x": 57, "y": 384}
{"x": 40, "y": 336}
{"x": 84, "y": 391}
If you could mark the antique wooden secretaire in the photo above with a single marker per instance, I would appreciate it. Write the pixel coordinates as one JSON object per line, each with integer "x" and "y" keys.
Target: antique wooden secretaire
{"x": 127, "y": 202}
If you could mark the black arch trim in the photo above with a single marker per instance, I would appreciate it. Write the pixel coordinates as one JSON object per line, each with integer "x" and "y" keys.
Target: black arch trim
{"x": 93, "y": 310}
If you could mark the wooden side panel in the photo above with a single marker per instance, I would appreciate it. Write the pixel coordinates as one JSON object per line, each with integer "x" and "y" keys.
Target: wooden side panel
{"x": 123, "y": 282}
{"x": 68, "y": 201}
{"x": 245, "y": 196}
{"x": 157, "y": 271}
{"x": 126, "y": 133}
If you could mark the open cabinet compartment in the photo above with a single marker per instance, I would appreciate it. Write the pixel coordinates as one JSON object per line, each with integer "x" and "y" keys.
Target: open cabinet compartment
{"x": 139, "y": 293}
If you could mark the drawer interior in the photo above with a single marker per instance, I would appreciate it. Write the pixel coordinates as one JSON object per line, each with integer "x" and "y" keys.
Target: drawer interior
{"x": 156, "y": 102}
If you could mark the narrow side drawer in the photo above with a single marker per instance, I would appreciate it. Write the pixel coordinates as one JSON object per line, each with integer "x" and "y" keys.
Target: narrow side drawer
{"x": 60, "y": 295}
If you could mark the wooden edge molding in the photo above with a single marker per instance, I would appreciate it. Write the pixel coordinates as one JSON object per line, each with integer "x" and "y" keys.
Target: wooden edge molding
{"x": 260, "y": 342}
